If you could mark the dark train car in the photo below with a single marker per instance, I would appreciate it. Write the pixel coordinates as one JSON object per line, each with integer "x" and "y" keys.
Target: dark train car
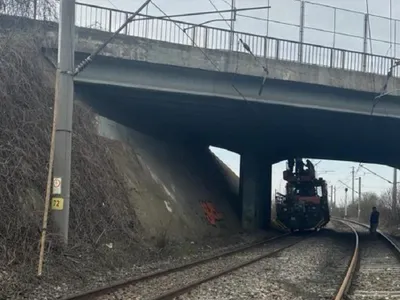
{"x": 305, "y": 205}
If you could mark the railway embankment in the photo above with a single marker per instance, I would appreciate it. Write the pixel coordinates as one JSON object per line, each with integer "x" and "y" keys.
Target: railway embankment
{"x": 137, "y": 203}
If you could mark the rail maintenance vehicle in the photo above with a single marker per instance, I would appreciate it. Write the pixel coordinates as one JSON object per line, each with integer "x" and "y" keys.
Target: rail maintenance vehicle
{"x": 305, "y": 205}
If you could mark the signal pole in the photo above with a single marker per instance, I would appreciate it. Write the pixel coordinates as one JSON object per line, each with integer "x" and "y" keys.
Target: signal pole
{"x": 64, "y": 96}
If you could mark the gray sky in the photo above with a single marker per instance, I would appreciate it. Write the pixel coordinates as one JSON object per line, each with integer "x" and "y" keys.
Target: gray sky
{"x": 322, "y": 17}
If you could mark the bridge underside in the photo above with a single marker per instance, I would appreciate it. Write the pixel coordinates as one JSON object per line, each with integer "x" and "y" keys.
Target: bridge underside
{"x": 262, "y": 133}
{"x": 276, "y": 131}
{"x": 202, "y": 108}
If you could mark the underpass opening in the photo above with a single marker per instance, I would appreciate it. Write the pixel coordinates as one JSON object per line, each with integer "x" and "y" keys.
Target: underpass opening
{"x": 353, "y": 188}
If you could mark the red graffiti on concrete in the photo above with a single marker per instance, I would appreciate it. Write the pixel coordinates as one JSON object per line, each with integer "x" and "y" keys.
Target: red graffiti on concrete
{"x": 211, "y": 213}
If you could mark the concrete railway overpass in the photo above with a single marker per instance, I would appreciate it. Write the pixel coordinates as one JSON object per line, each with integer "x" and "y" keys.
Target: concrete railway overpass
{"x": 210, "y": 97}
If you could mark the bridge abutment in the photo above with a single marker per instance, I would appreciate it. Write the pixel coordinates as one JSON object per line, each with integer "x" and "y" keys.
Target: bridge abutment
{"x": 255, "y": 191}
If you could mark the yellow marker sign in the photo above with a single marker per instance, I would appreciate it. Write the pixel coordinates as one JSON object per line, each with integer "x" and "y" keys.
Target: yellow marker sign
{"x": 57, "y": 203}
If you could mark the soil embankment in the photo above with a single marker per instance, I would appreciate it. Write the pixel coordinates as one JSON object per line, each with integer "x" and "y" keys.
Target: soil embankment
{"x": 132, "y": 196}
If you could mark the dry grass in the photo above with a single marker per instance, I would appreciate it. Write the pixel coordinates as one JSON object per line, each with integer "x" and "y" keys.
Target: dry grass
{"x": 100, "y": 210}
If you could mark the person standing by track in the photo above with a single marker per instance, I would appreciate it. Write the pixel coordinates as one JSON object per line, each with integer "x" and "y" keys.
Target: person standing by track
{"x": 373, "y": 221}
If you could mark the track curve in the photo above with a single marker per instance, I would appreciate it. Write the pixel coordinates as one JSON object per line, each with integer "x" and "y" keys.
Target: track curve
{"x": 378, "y": 274}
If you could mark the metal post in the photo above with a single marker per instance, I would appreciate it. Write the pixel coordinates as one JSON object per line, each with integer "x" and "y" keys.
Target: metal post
{"x": 359, "y": 199}
{"x": 394, "y": 191}
{"x": 365, "y": 45}
{"x": 277, "y": 49}
{"x": 334, "y": 39}
{"x": 206, "y": 38}
{"x": 301, "y": 31}
{"x": 267, "y": 33}
{"x": 345, "y": 202}
{"x": 334, "y": 28}
{"x": 110, "y": 21}
{"x": 64, "y": 94}
{"x": 233, "y": 19}
{"x": 395, "y": 39}
{"x": 268, "y": 4}
{"x": 147, "y": 23}
{"x": 334, "y": 199}
{"x": 391, "y": 29}
{"x": 352, "y": 187}
{"x": 194, "y": 36}
{"x": 331, "y": 195}
{"x": 126, "y": 27}
{"x": 34, "y": 9}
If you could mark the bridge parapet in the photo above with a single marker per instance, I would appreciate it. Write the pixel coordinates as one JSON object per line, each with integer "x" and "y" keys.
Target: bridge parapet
{"x": 163, "y": 41}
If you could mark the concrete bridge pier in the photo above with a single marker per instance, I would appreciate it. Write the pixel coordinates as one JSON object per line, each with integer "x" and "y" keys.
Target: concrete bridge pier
{"x": 255, "y": 191}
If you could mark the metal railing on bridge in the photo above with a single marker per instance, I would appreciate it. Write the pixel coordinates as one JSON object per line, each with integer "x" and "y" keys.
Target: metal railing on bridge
{"x": 184, "y": 33}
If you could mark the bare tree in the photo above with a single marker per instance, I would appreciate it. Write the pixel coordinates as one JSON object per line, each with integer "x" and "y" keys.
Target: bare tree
{"x": 35, "y": 9}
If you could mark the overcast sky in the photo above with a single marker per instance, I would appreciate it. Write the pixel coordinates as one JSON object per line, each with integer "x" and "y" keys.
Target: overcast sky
{"x": 317, "y": 16}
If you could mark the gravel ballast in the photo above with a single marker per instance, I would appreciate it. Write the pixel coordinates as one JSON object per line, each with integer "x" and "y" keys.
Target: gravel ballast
{"x": 141, "y": 263}
{"x": 160, "y": 285}
{"x": 378, "y": 276}
{"x": 312, "y": 269}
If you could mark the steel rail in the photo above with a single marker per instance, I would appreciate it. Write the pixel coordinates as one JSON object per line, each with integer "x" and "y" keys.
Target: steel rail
{"x": 344, "y": 287}
{"x": 183, "y": 290}
{"x": 127, "y": 282}
{"x": 346, "y": 283}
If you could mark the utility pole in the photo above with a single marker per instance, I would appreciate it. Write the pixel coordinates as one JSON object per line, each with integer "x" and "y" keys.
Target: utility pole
{"x": 301, "y": 30}
{"x": 345, "y": 202}
{"x": 334, "y": 199}
{"x": 394, "y": 191}
{"x": 233, "y": 19}
{"x": 64, "y": 96}
{"x": 352, "y": 186}
{"x": 359, "y": 198}
{"x": 147, "y": 22}
{"x": 268, "y": 3}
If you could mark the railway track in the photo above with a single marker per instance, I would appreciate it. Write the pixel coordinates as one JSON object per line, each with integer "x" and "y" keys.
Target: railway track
{"x": 374, "y": 270}
{"x": 170, "y": 283}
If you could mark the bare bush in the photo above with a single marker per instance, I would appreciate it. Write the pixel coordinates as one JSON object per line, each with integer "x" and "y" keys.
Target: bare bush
{"x": 388, "y": 216}
{"x": 100, "y": 210}
{"x": 35, "y": 9}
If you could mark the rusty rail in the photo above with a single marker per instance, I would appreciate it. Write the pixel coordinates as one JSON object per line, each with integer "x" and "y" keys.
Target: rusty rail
{"x": 91, "y": 294}
{"x": 347, "y": 281}
{"x": 344, "y": 287}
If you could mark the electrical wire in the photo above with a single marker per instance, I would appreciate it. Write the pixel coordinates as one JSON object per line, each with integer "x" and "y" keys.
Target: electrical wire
{"x": 383, "y": 91}
{"x": 112, "y": 4}
{"x": 381, "y": 177}
{"x": 90, "y": 58}
{"x": 347, "y": 186}
{"x": 202, "y": 51}
{"x": 245, "y": 46}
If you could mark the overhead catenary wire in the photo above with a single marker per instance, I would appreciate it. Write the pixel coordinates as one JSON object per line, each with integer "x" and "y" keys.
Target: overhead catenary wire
{"x": 347, "y": 186}
{"x": 112, "y": 4}
{"x": 246, "y": 47}
{"x": 89, "y": 59}
{"x": 383, "y": 92}
{"x": 376, "y": 174}
{"x": 202, "y": 51}
{"x": 202, "y": 13}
